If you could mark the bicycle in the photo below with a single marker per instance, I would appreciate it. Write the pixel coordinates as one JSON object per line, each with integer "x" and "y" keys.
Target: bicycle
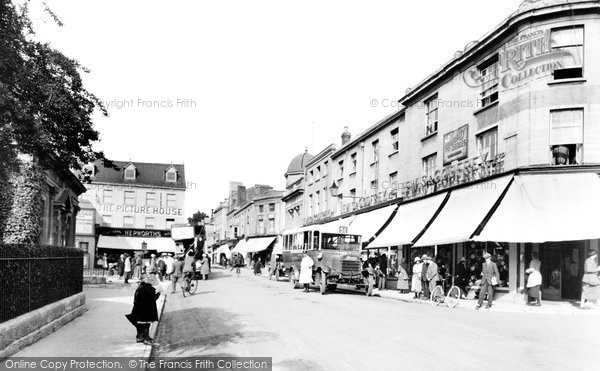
{"x": 451, "y": 299}
{"x": 189, "y": 283}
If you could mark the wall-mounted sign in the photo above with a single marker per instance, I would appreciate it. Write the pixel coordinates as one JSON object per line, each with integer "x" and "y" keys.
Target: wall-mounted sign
{"x": 130, "y": 232}
{"x": 378, "y": 198}
{"x": 319, "y": 217}
{"x": 149, "y": 210}
{"x": 456, "y": 145}
{"x": 84, "y": 223}
{"x": 182, "y": 233}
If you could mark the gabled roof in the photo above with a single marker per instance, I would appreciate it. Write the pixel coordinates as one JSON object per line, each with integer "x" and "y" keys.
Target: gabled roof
{"x": 151, "y": 174}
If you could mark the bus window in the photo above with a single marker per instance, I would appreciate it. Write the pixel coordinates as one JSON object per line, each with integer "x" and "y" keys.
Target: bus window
{"x": 315, "y": 244}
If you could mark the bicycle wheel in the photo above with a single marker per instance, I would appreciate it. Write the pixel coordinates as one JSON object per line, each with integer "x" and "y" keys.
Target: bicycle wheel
{"x": 437, "y": 296}
{"x": 453, "y": 297}
{"x": 193, "y": 285}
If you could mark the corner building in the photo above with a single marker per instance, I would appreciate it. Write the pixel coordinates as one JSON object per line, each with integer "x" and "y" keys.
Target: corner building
{"x": 497, "y": 151}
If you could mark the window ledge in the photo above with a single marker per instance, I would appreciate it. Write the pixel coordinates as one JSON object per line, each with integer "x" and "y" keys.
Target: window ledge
{"x": 577, "y": 80}
{"x": 428, "y": 136}
{"x": 479, "y": 110}
{"x": 352, "y": 173}
{"x": 393, "y": 153}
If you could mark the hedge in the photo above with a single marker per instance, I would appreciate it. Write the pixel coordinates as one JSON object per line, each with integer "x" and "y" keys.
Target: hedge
{"x": 34, "y": 276}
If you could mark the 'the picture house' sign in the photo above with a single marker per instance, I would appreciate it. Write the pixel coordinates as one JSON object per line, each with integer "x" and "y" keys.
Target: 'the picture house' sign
{"x": 109, "y": 208}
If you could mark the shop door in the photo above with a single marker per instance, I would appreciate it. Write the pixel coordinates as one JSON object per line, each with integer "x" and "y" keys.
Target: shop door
{"x": 551, "y": 258}
{"x": 572, "y": 254}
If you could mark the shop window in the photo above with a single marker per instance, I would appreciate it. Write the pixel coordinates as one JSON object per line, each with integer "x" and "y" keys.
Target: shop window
{"x": 129, "y": 197}
{"x": 474, "y": 260}
{"x": 569, "y": 41}
{"x": 394, "y": 134}
{"x": 566, "y": 137}
{"x": 429, "y": 165}
{"x": 432, "y": 115}
{"x": 488, "y": 73}
{"x": 487, "y": 144}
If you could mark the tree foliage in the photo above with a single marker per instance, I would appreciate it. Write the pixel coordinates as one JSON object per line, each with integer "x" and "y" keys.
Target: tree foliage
{"x": 45, "y": 110}
{"x": 197, "y": 217}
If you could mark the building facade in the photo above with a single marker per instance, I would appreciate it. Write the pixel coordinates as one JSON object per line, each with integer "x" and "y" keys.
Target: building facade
{"x": 129, "y": 202}
{"x": 295, "y": 185}
{"x": 517, "y": 107}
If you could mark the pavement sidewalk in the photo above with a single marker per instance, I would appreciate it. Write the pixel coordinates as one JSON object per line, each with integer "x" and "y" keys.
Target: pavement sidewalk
{"x": 548, "y": 307}
{"x": 103, "y": 330}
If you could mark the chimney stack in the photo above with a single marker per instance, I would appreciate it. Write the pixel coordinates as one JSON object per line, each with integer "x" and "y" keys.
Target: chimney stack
{"x": 346, "y": 136}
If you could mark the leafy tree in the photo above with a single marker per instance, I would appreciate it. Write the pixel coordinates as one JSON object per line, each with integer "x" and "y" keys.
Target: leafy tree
{"x": 197, "y": 217}
{"x": 45, "y": 110}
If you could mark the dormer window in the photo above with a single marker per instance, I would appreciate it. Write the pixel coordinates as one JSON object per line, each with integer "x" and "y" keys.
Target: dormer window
{"x": 130, "y": 172}
{"x": 171, "y": 175}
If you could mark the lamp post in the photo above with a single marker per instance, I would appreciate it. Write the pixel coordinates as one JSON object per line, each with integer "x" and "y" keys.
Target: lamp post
{"x": 335, "y": 190}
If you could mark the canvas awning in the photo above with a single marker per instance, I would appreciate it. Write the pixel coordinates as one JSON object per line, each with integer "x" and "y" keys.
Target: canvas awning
{"x": 223, "y": 249}
{"x": 463, "y": 213}
{"x": 258, "y": 244}
{"x": 547, "y": 207}
{"x": 158, "y": 244}
{"x": 338, "y": 226}
{"x": 240, "y": 247}
{"x": 369, "y": 223}
{"x": 410, "y": 219}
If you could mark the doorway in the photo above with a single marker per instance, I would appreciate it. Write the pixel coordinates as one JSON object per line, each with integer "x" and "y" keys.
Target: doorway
{"x": 561, "y": 269}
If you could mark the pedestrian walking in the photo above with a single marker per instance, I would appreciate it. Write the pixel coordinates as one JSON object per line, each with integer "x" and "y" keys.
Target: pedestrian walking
{"x": 534, "y": 281}
{"x": 432, "y": 275}
{"x": 205, "y": 267}
{"x": 257, "y": 266}
{"x": 177, "y": 273}
{"x": 590, "y": 280}
{"x": 121, "y": 265}
{"x": 402, "y": 283}
{"x": 237, "y": 264}
{"x": 127, "y": 268}
{"x": 152, "y": 266}
{"x": 161, "y": 267}
{"x": 416, "y": 282}
{"x": 489, "y": 278}
{"x": 169, "y": 263}
{"x": 424, "y": 282}
{"x": 144, "y": 310}
{"x": 306, "y": 271}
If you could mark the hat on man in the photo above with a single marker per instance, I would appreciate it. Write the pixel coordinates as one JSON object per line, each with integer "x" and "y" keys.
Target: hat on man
{"x": 424, "y": 257}
{"x": 417, "y": 259}
{"x": 487, "y": 255}
{"x": 462, "y": 259}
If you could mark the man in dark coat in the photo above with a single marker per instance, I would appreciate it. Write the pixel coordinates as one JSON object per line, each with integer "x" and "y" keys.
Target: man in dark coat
{"x": 383, "y": 266}
{"x": 424, "y": 281}
{"x": 489, "y": 278}
{"x": 144, "y": 310}
{"x": 461, "y": 275}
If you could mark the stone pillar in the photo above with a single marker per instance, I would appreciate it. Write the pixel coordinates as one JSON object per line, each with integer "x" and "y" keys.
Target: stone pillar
{"x": 513, "y": 269}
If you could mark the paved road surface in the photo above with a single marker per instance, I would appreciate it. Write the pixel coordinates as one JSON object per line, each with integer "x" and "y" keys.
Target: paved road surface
{"x": 253, "y": 317}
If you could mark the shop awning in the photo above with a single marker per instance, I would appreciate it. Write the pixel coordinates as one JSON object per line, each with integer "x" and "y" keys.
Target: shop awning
{"x": 463, "y": 213}
{"x": 223, "y": 249}
{"x": 240, "y": 247}
{"x": 158, "y": 244}
{"x": 369, "y": 223}
{"x": 410, "y": 219}
{"x": 258, "y": 244}
{"x": 547, "y": 207}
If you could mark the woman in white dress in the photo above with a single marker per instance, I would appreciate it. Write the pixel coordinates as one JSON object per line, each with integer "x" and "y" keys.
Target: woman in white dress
{"x": 306, "y": 271}
{"x": 416, "y": 277}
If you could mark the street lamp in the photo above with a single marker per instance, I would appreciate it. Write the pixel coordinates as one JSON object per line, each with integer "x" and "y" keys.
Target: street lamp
{"x": 335, "y": 190}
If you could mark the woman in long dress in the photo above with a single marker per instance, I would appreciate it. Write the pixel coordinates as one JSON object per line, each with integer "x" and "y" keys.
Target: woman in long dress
{"x": 306, "y": 271}
{"x": 402, "y": 276}
{"x": 534, "y": 281}
{"x": 205, "y": 267}
{"x": 416, "y": 277}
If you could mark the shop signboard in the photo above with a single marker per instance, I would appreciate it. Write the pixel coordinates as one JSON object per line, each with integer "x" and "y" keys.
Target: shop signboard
{"x": 130, "y": 232}
{"x": 182, "y": 233}
{"x": 84, "y": 223}
{"x": 456, "y": 145}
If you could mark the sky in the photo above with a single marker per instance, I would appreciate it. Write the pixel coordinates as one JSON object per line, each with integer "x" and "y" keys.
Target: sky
{"x": 234, "y": 89}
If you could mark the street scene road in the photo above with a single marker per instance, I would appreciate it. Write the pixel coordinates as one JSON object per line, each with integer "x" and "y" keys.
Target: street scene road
{"x": 251, "y": 316}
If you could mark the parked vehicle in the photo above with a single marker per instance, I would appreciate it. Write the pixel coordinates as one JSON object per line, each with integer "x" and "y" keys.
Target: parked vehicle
{"x": 336, "y": 256}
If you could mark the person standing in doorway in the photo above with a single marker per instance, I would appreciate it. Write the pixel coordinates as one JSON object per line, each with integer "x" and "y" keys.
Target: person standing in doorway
{"x": 534, "y": 281}
{"x": 416, "y": 284}
{"x": 306, "y": 266}
{"x": 424, "y": 282}
{"x": 489, "y": 278}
